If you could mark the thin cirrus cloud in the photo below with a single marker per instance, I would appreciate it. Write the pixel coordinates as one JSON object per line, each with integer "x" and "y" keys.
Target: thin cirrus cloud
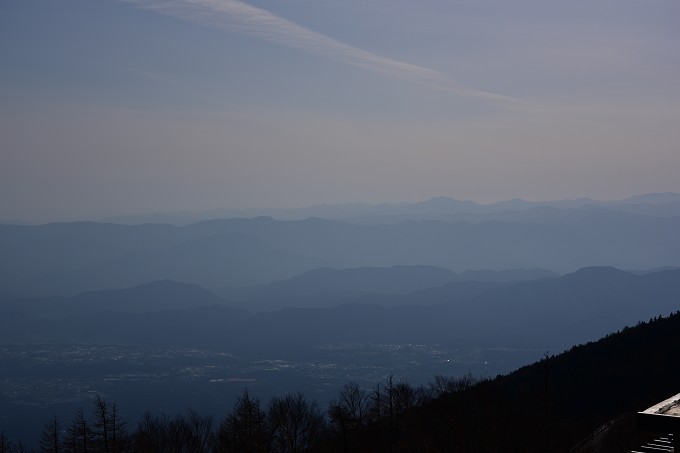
{"x": 243, "y": 18}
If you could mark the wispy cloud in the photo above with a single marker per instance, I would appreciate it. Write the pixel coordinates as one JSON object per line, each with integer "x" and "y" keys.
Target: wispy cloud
{"x": 243, "y": 18}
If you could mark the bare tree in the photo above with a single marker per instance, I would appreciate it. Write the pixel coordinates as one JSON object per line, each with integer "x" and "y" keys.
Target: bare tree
{"x": 295, "y": 423}
{"x": 423, "y": 395}
{"x": 349, "y": 411}
{"x": 404, "y": 398}
{"x": 443, "y": 384}
{"x": 5, "y": 444}
{"x": 108, "y": 428}
{"x": 354, "y": 401}
{"x": 183, "y": 434}
{"x": 390, "y": 400}
{"x": 152, "y": 434}
{"x": 376, "y": 403}
{"x": 198, "y": 431}
{"x": 100, "y": 426}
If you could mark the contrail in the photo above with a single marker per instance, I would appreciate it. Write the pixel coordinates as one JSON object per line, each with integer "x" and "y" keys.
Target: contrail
{"x": 243, "y": 18}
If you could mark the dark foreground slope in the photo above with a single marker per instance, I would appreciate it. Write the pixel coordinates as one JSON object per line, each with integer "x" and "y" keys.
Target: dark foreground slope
{"x": 552, "y": 405}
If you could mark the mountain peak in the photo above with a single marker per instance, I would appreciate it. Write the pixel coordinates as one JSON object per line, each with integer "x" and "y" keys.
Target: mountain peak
{"x": 654, "y": 198}
{"x": 597, "y": 272}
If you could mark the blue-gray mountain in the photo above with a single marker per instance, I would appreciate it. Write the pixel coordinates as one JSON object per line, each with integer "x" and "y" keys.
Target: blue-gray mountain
{"x": 438, "y": 208}
{"x": 396, "y": 285}
{"x": 149, "y": 297}
{"x": 550, "y": 313}
{"x": 68, "y": 258}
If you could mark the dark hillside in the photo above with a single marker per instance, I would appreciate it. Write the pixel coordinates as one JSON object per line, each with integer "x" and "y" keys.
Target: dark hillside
{"x": 552, "y": 405}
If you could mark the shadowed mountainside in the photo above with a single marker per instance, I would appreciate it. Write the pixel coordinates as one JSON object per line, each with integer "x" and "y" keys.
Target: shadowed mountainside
{"x": 549, "y": 406}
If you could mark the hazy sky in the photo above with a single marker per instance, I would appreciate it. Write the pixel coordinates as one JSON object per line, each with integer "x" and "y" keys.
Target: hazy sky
{"x": 114, "y": 107}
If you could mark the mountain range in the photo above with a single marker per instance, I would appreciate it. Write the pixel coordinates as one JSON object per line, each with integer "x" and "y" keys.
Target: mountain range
{"x": 357, "y": 288}
{"x": 551, "y": 313}
{"x": 437, "y": 208}
{"x": 68, "y": 258}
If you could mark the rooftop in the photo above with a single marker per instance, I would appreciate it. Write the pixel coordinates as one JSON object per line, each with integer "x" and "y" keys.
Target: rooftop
{"x": 663, "y": 417}
{"x": 669, "y": 408}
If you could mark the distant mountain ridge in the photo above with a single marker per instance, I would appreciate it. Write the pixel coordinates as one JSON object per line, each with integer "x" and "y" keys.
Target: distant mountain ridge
{"x": 396, "y": 285}
{"x": 545, "y": 314}
{"x": 148, "y": 297}
{"x": 68, "y": 258}
{"x": 347, "y": 211}
{"x": 327, "y": 286}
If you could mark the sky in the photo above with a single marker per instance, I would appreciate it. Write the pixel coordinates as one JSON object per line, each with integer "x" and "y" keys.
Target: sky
{"x": 114, "y": 107}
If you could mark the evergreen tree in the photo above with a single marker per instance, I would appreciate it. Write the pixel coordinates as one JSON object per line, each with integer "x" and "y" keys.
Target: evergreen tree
{"x": 245, "y": 428}
{"x": 78, "y": 435}
{"x": 50, "y": 441}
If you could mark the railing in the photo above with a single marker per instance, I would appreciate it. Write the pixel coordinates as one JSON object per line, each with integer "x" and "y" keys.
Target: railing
{"x": 660, "y": 445}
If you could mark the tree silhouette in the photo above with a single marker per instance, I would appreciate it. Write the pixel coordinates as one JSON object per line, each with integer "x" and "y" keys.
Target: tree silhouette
{"x": 295, "y": 423}
{"x": 190, "y": 433}
{"x": 153, "y": 434}
{"x": 354, "y": 402}
{"x": 375, "y": 398}
{"x": 349, "y": 412}
{"x": 5, "y": 443}
{"x": 100, "y": 427}
{"x": 50, "y": 440}
{"x": 245, "y": 428}
{"x": 21, "y": 448}
{"x": 197, "y": 430}
{"x": 78, "y": 437}
{"x": 108, "y": 428}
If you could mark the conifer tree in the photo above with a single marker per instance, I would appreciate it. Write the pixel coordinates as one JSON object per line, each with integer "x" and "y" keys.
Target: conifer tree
{"x": 50, "y": 441}
{"x": 245, "y": 428}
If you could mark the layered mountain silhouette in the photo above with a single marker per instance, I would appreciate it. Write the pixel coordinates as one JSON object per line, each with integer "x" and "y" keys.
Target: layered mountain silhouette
{"x": 68, "y": 258}
{"x": 438, "y": 208}
{"x": 396, "y": 285}
{"x": 440, "y": 275}
{"x": 545, "y": 314}
{"x": 327, "y": 287}
{"x": 148, "y": 297}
